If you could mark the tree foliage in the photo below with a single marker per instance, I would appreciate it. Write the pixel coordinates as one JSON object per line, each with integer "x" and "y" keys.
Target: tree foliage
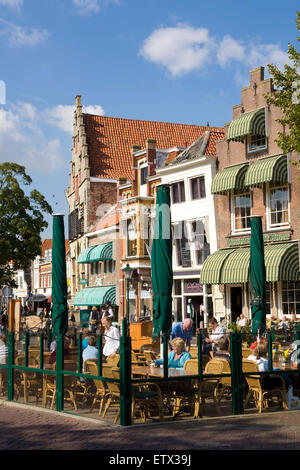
{"x": 287, "y": 98}
{"x": 21, "y": 221}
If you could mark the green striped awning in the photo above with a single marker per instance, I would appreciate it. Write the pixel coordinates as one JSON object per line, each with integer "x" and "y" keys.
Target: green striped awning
{"x": 101, "y": 252}
{"x": 267, "y": 169}
{"x": 212, "y": 267}
{"x": 247, "y": 123}
{"x": 231, "y": 177}
{"x": 84, "y": 256}
{"x": 281, "y": 261}
{"x": 95, "y": 296}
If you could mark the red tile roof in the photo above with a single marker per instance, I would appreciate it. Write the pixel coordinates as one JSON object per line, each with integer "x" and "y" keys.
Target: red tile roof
{"x": 47, "y": 245}
{"x": 110, "y": 141}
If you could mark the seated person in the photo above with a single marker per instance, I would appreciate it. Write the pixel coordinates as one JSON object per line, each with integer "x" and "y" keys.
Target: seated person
{"x": 177, "y": 357}
{"x": 52, "y": 357}
{"x": 260, "y": 356}
{"x": 223, "y": 351}
{"x": 90, "y": 352}
{"x": 242, "y": 321}
{"x": 217, "y": 332}
{"x": 183, "y": 330}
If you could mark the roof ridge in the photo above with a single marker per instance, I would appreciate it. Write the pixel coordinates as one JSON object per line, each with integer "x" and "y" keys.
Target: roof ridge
{"x": 213, "y": 128}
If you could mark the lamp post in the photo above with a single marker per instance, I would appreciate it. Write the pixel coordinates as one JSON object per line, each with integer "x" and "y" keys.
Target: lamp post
{"x": 127, "y": 275}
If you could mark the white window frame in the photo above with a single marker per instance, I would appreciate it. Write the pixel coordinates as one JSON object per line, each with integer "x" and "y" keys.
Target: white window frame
{"x": 283, "y": 225}
{"x": 232, "y": 206}
{"x": 190, "y": 187}
{"x": 259, "y": 147}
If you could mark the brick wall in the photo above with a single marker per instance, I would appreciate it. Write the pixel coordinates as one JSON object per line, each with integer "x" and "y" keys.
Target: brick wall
{"x": 231, "y": 153}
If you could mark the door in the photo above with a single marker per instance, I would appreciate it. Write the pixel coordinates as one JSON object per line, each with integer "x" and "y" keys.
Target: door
{"x": 236, "y": 302}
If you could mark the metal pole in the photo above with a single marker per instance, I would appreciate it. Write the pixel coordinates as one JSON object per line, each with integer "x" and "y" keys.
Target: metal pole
{"x": 59, "y": 375}
{"x": 236, "y": 373}
{"x": 199, "y": 343}
{"x": 125, "y": 376}
{"x": 10, "y": 362}
{"x": 270, "y": 351}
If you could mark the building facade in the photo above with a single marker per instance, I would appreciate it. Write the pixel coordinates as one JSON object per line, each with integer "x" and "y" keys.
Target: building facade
{"x": 101, "y": 154}
{"x": 189, "y": 176}
{"x": 255, "y": 178}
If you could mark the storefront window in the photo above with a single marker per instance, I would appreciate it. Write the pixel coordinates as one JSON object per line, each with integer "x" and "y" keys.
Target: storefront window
{"x": 291, "y": 298}
{"x": 241, "y": 211}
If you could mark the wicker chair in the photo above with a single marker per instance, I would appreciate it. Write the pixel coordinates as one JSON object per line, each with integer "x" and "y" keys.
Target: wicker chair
{"x": 209, "y": 387}
{"x": 262, "y": 396}
{"x": 70, "y": 385}
{"x": 246, "y": 352}
{"x": 144, "y": 398}
{"x": 101, "y": 393}
{"x": 29, "y": 381}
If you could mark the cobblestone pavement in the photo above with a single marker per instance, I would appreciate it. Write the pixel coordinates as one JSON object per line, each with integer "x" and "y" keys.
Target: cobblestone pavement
{"x": 29, "y": 428}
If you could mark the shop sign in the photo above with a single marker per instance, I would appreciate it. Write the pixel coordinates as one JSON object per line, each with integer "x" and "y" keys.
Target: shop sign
{"x": 268, "y": 238}
{"x": 192, "y": 287}
{"x": 186, "y": 258}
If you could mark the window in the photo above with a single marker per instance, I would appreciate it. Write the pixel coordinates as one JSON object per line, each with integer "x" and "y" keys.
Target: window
{"x": 183, "y": 255}
{"x": 201, "y": 247}
{"x": 256, "y": 142}
{"x": 290, "y": 297}
{"x": 144, "y": 174}
{"x": 178, "y": 194}
{"x": 198, "y": 188}
{"x": 95, "y": 268}
{"x": 241, "y": 212}
{"x": 109, "y": 266}
{"x": 279, "y": 206}
{"x": 131, "y": 237}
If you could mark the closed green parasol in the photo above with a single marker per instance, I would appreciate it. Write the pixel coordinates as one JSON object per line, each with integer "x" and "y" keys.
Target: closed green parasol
{"x": 257, "y": 276}
{"x": 161, "y": 264}
{"x": 59, "y": 278}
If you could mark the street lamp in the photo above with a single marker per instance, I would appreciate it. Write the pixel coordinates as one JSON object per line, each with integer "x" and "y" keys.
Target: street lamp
{"x": 127, "y": 275}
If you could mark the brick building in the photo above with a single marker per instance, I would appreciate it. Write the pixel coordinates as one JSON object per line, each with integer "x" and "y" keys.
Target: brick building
{"x": 255, "y": 178}
{"x": 101, "y": 154}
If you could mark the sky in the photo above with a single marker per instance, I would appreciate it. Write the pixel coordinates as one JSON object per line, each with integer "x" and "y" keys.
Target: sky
{"x": 162, "y": 60}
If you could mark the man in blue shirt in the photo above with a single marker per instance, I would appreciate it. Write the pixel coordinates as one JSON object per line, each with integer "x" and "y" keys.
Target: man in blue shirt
{"x": 183, "y": 330}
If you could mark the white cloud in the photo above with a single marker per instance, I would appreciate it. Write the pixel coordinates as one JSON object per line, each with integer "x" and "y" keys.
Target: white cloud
{"x": 62, "y": 116}
{"x": 85, "y": 7}
{"x": 22, "y": 140}
{"x": 15, "y": 4}
{"x": 22, "y": 36}
{"x": 181, "y": 49}
{"x": 266, "y": 53}
{"x": 229, "y": 49}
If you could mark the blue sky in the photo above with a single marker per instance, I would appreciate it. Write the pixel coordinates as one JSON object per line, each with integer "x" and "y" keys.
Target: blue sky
{"x": 165, "y": 60}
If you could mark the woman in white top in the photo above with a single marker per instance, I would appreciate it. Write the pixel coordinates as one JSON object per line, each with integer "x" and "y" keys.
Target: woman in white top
{"x": 3, "y": 349}
{"x": 112, "y": 338}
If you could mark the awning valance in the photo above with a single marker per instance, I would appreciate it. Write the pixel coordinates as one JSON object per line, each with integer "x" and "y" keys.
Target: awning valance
{"x": 247, "y": 123}
{"x": 95, "y": 296}
{"x": 101, "y": 252}
{"x": 84, "y": 256}
{"x": 231, "y": 266}
{"x": 231, "y": 177}
{"x": 267, "y": 169}
{"x": 96, "y": 253}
